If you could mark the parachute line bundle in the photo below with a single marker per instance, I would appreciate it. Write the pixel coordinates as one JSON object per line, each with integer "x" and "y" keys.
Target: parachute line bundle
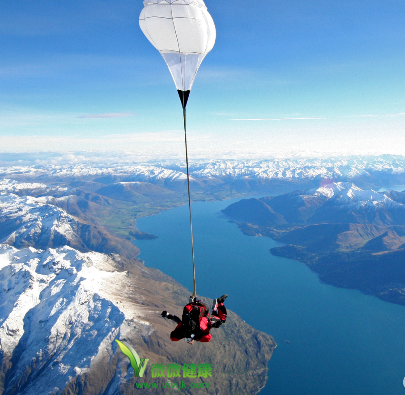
{"x": 183, "y": 32}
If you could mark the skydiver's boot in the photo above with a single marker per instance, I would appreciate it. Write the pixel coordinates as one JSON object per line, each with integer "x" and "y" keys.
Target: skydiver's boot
{"x": 222, "y": 298}
{"x": 218, "y": 301}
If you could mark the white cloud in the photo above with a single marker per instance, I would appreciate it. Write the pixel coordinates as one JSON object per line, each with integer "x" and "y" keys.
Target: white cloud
{"x": 170, "y": 145}
{"x": 276, "y": 119}
{"x": 108, "y": 115}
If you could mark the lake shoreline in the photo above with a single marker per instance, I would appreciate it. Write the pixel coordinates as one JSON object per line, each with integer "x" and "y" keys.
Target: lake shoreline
{"x": 340, "y": 340}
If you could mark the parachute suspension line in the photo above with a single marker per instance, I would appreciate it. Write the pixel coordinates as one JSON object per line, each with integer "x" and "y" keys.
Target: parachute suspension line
{"x": 194, "y": 35}
{"x": 189, "y": 196}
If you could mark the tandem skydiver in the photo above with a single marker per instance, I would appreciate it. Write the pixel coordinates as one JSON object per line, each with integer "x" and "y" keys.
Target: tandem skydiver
{"x": 196, "y": 322}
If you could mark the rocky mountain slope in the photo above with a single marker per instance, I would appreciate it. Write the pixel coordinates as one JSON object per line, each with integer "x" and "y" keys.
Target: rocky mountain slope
{"x": 29, "y": 221}
{"x": 62, "y": 305}
{"x": 352, "y": 237}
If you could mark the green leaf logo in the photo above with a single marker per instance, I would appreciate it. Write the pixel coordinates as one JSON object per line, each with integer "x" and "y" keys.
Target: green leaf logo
{"x": 139, "y": 365}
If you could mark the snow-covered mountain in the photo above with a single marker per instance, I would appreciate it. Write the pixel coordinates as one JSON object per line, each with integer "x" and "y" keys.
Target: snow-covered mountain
{"x": 40, "y": 222}
{"x": 333, "y": 202}
{"x": 27, "y": 188}
{"x": 31, "y": 221}
{"x": 352, "y": 237}
{"x": 357, "y": 169}
{"x": 61, "y": 308}
{"x": 349, "y": 195}
{"x": 346, "y": 202}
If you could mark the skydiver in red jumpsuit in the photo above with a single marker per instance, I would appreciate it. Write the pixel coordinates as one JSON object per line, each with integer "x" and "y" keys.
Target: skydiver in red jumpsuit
{"x": 196, "y": 322}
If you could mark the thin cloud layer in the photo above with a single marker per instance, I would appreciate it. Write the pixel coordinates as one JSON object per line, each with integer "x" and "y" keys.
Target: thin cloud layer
{"x": 276, "y": 119}
{"x": 109, "y": 115}
{"x": 170, "y": 145}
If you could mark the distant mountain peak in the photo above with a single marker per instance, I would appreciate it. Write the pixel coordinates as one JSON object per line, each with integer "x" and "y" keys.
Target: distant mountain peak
{"x": 333, "y": 202}
{"x": 347, "y": 192}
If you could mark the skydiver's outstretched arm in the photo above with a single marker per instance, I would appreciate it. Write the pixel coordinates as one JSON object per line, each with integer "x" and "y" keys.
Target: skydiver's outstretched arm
{"x": 174, "y": 318}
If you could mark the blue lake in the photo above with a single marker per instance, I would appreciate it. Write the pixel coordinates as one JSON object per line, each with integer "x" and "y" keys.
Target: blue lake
{"x": 340, "y": 341}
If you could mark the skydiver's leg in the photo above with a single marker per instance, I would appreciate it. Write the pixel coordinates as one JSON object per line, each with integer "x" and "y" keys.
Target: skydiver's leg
{"x": 219, "y": 313}
{"x": 218, "y": 316}
{"x": 178, "y": 333}
{"x": 206, "y": 338}
{"x": 174, "y": 318}
{"x": 222, "y": 313}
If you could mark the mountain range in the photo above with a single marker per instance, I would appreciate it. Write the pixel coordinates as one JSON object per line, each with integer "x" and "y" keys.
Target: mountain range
{"x": 352, "y": 237}
{"x": 69, "y": 286}
{"x": 71, "y": 282}
{"x": 221, "y": 178}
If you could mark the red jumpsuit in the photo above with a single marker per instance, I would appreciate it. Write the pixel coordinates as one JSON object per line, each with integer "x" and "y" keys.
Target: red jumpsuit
{"x": 202, "y": 334}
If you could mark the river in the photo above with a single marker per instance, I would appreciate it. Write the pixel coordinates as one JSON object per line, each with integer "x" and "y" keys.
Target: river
{"x": 339, "y": 341}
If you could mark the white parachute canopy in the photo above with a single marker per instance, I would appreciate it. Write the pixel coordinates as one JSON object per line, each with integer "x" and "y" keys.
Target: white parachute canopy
{"x": 183, "y": 32}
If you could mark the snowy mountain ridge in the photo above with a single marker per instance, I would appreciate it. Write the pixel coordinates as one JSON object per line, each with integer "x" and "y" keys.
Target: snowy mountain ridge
{"x": 13, "y": 186}
{"x": 289, "y": 169}
{"x": 74, "y": 297}
{"x": 25, "y": 219}
{"x": 78, "y": 299}
{"x": 346, "y": 193}
{"x": 62, "y": 304}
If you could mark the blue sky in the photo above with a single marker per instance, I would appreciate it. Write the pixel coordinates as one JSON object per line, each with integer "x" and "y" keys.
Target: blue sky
{"x": 284, "y": 77}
